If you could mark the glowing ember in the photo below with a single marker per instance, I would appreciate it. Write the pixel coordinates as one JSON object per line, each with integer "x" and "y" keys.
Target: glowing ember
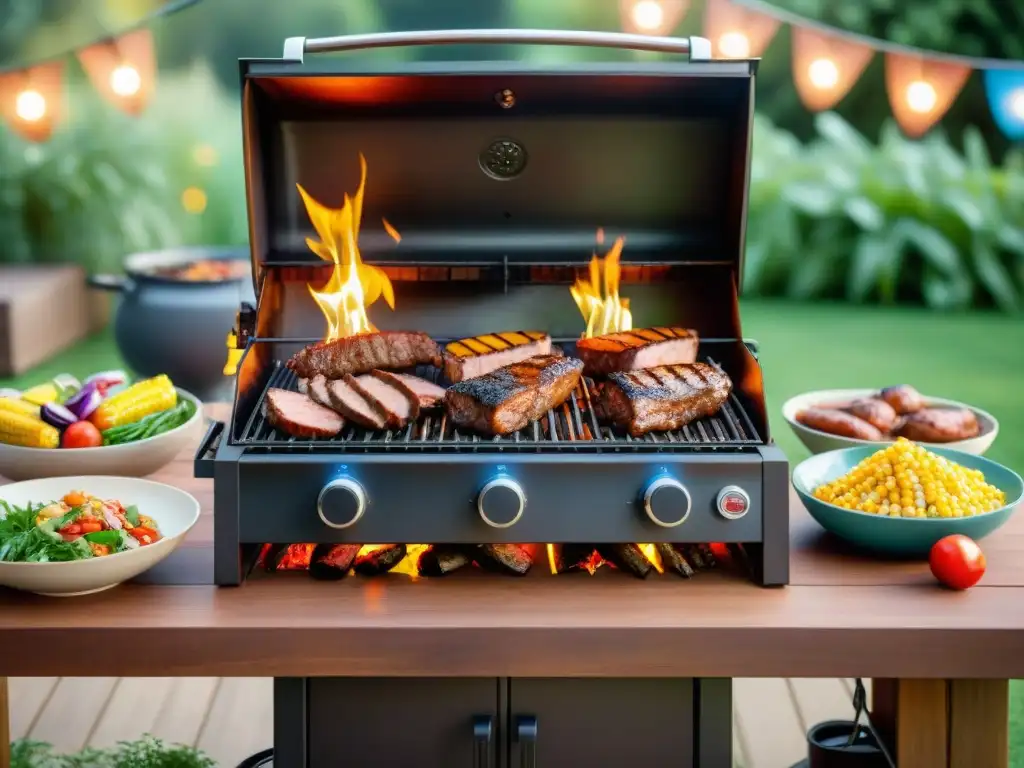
{"x": 651, "y": 553}
{"x": 410, "y": 564}
{"x": 353, "y": 285}
{"x": 296, "y": 558}
{"x": 551, "y": 559}
{"x": 603, "y": 310}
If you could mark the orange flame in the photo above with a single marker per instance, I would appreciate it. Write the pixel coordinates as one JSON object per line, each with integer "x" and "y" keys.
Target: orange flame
{"x": 296, "y": 557}
{"x": 353, "y": 285}
{"x": 603, "y": 310}
{"x": 409, "y": 565}
{"x": 651, "y": 553}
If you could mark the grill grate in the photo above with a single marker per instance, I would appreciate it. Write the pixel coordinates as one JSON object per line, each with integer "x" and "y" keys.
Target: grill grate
{"x": 571, "y": 427}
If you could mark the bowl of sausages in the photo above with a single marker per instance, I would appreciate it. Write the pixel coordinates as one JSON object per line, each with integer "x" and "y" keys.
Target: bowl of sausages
{"x": 830, "y": 419}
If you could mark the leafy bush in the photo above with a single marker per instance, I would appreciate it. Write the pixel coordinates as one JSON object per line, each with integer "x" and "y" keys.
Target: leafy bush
{"x": 107, "y": 184}
{"x": 148, "y": 752}
{"x": 903, "y": 221}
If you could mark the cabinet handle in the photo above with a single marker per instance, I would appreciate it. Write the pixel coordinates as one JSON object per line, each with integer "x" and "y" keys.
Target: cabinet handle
{"x": 526, "y": 735}
{"x": 483, "y": 725}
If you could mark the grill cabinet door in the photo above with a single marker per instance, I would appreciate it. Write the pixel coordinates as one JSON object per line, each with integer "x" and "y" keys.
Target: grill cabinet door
{"x": 601, "y": 723}
{"x": 398, "y": 722}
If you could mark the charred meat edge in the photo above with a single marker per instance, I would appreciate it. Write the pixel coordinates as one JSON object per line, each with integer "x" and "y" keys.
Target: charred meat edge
{"x": 364, "y": 352}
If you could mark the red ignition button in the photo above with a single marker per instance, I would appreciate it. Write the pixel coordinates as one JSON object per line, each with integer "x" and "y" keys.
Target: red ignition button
{"x": 733, "y": 502}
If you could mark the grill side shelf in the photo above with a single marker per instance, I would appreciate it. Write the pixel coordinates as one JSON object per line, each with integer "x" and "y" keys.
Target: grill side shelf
{"x": 574, "y": 426}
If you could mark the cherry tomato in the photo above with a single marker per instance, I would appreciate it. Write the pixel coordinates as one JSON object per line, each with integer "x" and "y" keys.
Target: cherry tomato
{"x": 91, "y": 526}
{"x": 81, "y": 434}
{"x": 142, "y": 533}
{"x": 957, "y": 562}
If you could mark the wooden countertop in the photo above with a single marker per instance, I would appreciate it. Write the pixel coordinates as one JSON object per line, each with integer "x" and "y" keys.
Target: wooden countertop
{"x": 843, "y": 615}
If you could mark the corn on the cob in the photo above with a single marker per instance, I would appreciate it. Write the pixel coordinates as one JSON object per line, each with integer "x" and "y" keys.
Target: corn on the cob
{"x": 21, "y": 429}
{"x": 137, "y": 402}
{"x": 41, "y": 394}
{"x": 905, "y": 480}
{"x": 11, "y": 405}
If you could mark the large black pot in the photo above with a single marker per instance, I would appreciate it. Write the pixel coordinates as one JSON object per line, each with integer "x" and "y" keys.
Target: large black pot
{"x": 173, "y": 326}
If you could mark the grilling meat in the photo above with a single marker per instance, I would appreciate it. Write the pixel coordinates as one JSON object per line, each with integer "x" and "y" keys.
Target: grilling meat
{"x": 316, "y": 390}
{"x": 477, "y": 355}
{"x": 940, "y": 425}
{"x": 664, "y": 398}
{"x": 427, "y": 394}
{"x": 364, "y": 352}
{"x": 641, "y": 348}
{"x": 904, "y": 399}
{"x": 840, "y": 423}
{"x": 299, "y": 416}
{"x": 397, "y": 406}
{"x": 506, "y": 400}
{"x": 348, "y": 400}
{"x": 877, "y": 413}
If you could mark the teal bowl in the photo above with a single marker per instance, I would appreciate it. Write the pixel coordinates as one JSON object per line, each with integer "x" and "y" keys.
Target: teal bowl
{"x": 900, "y": 536}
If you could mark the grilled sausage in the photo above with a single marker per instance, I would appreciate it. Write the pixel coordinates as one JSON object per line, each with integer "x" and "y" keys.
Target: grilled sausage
{"x": 838, "y": 423}
{"x": 904, "y": 399}
{"x": 877, "y": 413}
{"x": 940, "y": 425}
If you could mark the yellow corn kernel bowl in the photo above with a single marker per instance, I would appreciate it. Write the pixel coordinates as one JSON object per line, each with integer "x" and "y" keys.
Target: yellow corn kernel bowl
{"x": 137, "y": 459}
{"x": 900, "y": 499}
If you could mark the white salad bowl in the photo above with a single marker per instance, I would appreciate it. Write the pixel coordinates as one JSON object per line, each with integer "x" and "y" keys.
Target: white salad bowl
{"x": 173, "y": 511}
{"x": 817, "y": 441}
{"x": 143, "y": 457}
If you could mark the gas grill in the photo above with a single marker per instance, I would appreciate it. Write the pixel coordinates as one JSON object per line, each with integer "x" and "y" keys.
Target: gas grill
{"x": 498, "y": 175}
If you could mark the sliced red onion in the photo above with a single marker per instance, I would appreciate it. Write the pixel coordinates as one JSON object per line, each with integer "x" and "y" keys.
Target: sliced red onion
{"x": 57, "y": 415}
{"x": 106, "y": 379}
{"x": 85, "y": 401}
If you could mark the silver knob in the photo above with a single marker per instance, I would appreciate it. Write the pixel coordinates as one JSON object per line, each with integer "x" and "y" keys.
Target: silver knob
{"x": 732, "y": 502}
{"x": 341, "y": 503}
{"x": 667, "y": 502}
{"x": 501, "y": 502}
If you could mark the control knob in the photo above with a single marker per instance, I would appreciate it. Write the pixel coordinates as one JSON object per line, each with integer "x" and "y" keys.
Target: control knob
{"x": 501, "y": 502}
{"x": 341, "y": 503}
{"x": 667, "y": 502}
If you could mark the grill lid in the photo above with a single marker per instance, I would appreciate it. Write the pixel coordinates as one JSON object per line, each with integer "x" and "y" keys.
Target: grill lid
{"x": 498, "y": 162}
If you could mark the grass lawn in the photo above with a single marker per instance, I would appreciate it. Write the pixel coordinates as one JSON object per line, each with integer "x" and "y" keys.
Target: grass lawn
{"x": 976, "y": 358}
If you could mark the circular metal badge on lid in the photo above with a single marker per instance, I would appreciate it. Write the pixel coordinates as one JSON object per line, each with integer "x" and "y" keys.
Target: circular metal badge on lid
{"x": 733, "y": 502}
{"x": 503, "y": 159}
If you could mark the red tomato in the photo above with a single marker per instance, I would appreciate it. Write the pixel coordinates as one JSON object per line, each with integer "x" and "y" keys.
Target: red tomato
{"x": 81, "y": 434}
{"x": 141, "y": 533}
{"x": 957, "y": 562}
{"x": 91, "y": 526}
{"x": 71, "y": 529}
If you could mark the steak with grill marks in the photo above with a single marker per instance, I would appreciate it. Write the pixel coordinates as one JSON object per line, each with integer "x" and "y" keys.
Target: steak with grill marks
{"x": 477, "y": 355}
{"x": 506, "y": 400}
{"x": 297, "y": 415}
{"x": 637, "y": 349}
{"x": 364, "y": 352}
{"x": 664, "y": 398}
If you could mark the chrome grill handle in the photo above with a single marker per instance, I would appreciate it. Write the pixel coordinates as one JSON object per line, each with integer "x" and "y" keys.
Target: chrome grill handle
{"x": 698, "y": 48}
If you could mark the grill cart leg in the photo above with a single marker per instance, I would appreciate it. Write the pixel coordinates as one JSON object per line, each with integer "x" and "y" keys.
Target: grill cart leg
{"x": 227, "y": 554}
{"x": 772, "y": 567}
{"x": 713, "y": 708}
{"x": 291, "y": 720}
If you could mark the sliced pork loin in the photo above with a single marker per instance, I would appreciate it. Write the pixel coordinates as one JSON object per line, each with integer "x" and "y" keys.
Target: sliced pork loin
{"x": 296, "y": 414}
{"x": 664, "y": 398}
{"x": 364, "y": 352}
{"x": 506, "y": 400}
{"x": 427, "y": 393}
{"x": 474, "y": 356}
{"x": 316, "y": 390}
{"x": 396, "y": 405}
{"x": 349, "y": 401}
{"x": 638, "y": 349}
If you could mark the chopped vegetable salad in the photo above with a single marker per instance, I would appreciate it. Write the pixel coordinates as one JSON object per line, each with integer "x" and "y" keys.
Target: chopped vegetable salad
{"x": 77, "y": 527}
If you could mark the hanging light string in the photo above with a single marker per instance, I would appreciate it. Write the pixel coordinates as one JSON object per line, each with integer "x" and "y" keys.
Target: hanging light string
{"x": 883, "y": 46}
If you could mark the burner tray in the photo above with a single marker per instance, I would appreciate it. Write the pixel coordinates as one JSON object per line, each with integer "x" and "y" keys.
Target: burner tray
{"x": 574, "y": 426}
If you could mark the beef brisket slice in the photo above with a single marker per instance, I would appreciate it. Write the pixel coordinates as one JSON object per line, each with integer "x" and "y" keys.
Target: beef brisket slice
{"x": 474, "y": 356}
{"x": 637, "y": 349}
{"x": 397, "y": 405}
{"x": 348, "y": 400}
{"x": 364, "y": 352}
{"x": 426, "y": 392}
{"x": 506, "y": 400}
{"x": 664, "y": 398}
{"x": 297, "y": 415}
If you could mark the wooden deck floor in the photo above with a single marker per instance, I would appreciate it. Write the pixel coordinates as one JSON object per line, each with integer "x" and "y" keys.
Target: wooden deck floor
{"x": 770, "y": 714}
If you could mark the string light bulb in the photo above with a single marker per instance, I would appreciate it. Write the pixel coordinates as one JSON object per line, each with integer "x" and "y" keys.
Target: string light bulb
{"x": 125, "y": 80}
{"x": 825, "y": 67}
{"x": 737, "y": 32}
{"x": 123, "y": 70}
{"x": 823, "y": 73}
{"x": 652, "y": 17}
{"x": 921, "y": 91}
{"x": 30, "y": 106}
